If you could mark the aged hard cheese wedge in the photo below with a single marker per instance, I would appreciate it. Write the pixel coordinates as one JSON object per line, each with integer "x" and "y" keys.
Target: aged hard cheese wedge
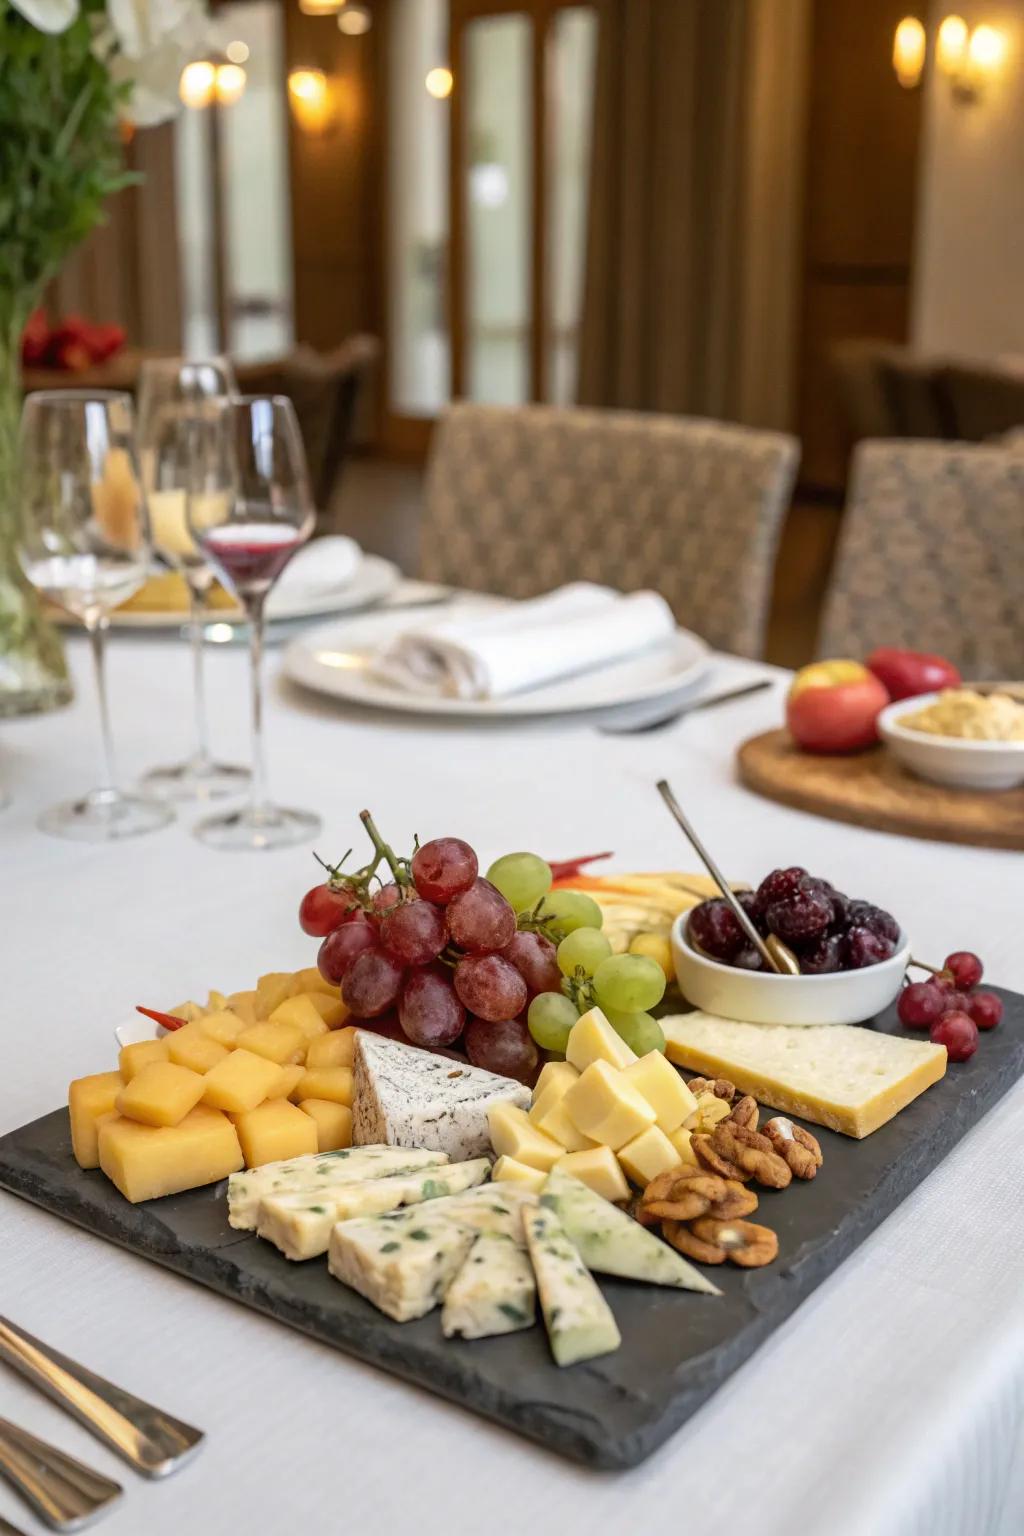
{"x": 494, "y": 1291}
{"x": 410, "y": 1098}
{"x": 838, "y": 1075}
{"x": 613, "y": 1243}
{"x": 578, "y": 1319}
{"x": 300, "y": 1224}
{"x": 403, "y": 1266}
{"x": 246, "y": 1190}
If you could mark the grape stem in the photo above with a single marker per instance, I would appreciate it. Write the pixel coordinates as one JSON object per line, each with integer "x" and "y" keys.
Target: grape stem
{"x": 922, "y": 965}
{"x": 398, "y": 867}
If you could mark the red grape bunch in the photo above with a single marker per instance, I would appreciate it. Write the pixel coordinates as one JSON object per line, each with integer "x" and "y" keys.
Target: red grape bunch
{"x": 951, "y": 1006}
{"x": 499, "y": 965}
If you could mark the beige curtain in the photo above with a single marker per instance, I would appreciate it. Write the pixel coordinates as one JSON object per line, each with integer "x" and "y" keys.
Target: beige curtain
{"x": 694, "y": 223}
{"x": 127, "y": 271}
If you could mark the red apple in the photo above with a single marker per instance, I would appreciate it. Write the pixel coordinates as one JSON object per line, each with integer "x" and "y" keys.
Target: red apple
{"x": 906, "y": 673}
{"x": 833, "y": 705}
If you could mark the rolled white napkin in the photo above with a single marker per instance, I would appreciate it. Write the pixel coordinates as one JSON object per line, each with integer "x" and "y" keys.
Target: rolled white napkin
{"x": 321, "y": 567}
{"x": 573, "y": 629}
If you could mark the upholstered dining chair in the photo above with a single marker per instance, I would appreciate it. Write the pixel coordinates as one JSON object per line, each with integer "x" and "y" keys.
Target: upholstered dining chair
{"x": 931, "y": 556}
{"x": 521, "y": 500}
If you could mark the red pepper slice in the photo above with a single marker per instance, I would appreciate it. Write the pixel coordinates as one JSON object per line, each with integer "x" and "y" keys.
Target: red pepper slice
{"x": 168, "y": 1020}
{"x": 566, "y": 868}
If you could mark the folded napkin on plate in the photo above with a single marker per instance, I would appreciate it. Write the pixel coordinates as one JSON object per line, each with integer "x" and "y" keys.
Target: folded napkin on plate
{"x": 489, "y": 655}
{"x": 321, "y": 567}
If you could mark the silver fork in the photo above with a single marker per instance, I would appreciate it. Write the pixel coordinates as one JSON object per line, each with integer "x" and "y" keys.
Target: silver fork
{"x": 62, "y": 1491}
{"x": 151, "y": 1440}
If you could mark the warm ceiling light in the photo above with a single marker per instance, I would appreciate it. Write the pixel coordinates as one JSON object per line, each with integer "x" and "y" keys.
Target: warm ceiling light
{"x": 354, "y": 20}
{"x": 439, "y": 82}
{"x": 320, "y": 7}
{"x": 197, "y": 83}
{"x": 908, "y": 51}
{"x": 307, "y": 84}
{"x": 311, "y": 99}
{"x": 229, "y": 83}
{"x": 237, "y": 51}
{"x": 951, "y": 45}
{"x": 986, "y": 48}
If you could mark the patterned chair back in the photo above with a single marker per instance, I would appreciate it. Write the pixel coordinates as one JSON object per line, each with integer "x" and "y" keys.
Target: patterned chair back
{"x": 931, "y": 556}
{"x": 519, "y": 501}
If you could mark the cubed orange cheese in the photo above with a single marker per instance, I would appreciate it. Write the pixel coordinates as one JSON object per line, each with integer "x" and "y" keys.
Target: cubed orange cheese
{"x": 647, "y": 1155}
{"x": 607, "y": 1108}
{"x": 333, "y": 1123}
{"x": 300, "y": 1013}
{"x": 272, "y": 989}
{"x": 290, "y": 1074}
{"x": 88, "y": 1099}
{"x": 224, "y": 1026}
{"x": 333, "y": 1083}
{"x": 198, "y": 1052}
{"x": 243, "y": 1006}
{"x": 161, "y": 1094}
{"x": 277, "y": 1042}
{"x": 215, "y": 1001}
{"x": 657, "y": 1080}
{"x": 273, "y": 1131}
{"x": 132, "y": 1058}
{"x": 146, "y": 1161}
{"x": 335, "y": 1049}
{"x": 331, "y": 1009}
{"x": 310, "y": 980}
{"x": 186, "y": 1011}
{"x": 239, "y": 1082}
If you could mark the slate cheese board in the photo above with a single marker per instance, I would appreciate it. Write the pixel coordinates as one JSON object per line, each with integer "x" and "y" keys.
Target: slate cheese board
{"x": 677, "y": 1348}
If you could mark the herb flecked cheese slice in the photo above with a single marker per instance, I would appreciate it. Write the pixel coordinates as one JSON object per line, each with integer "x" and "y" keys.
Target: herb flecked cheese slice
{"x": 403, "y": 1261}
{"x": 494, "y": 1292}
{"x": 579, "y": 1321}
{"x": 843, "y": 1076}
{"x": 319, "y": 1170}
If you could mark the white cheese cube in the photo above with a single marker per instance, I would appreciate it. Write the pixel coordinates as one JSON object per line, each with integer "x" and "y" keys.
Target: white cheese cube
{"x": 562, "y": 1072}
{"x": 599, "y": 1170}
{"x": 507, "y": 1171}
{"x": 647, "y": 1155}
{"x": 656, "y": 1078}
{"x": 512, "y": 1135}
{"x": 606, "y": 1107}
{"x": 592, "y": 1039}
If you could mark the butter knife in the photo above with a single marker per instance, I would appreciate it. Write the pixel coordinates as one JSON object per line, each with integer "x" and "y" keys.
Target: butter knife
{"x": 62, "y": 1491}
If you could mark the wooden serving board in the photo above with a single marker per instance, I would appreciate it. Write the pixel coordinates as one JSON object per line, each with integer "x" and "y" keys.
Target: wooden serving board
{"x": 677, "y": 1348}
{"x": 871, "y": 789}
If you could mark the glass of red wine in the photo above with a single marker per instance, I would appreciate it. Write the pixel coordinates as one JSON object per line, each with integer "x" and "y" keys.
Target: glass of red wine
{"x": 252, "y": 449}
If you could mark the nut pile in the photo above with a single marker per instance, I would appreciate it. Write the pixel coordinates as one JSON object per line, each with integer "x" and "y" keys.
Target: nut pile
{"x": 703, "y": 1209}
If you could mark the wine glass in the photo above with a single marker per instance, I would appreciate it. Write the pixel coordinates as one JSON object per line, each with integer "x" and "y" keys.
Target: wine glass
{"x": 84, "y": 542}
{"x": 256, "y": 456}
{"x": 171, "y": 393}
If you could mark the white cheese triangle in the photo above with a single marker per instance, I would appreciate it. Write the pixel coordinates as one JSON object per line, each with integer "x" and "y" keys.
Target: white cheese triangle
{"x": 406, "y": 1097}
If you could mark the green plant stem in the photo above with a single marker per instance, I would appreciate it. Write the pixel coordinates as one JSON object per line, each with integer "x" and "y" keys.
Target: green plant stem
{"x": 384, "y": 851}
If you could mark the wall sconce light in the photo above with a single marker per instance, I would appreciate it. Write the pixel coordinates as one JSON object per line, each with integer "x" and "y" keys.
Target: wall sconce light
{"x": 197, "y": 83}
{"x": 310, "y": 97}
{"x": 229, "y": 83}
{"x": 321, "y": 7}
{"x": 968, "y": 57}
{"x": 908, "y": 52}
{"x": 354, "y": 20}
{"x": 439, "y": 82}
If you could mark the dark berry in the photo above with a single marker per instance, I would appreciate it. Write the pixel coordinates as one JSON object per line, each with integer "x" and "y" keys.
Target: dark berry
{"x": 803, "y": 914}
{"x": 920, "y": 1004}
{"x": 752, "y": 907}
{"x": 779, "y": 884}
{"x": 864, "y": 914}
{"x": 986, "y": 1009}
{"x": 714, "y": 928}
{"x": 958, "y": 1033}
{"x": 965, "y": 969}
{"x": 863, "y": 948}
{"x": 748, "y": 959}
{"x": 823, "y": 957}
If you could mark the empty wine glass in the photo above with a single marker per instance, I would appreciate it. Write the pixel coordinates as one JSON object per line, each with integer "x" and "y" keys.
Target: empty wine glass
{"x": 84, "y": 542}
{"x": 172, "y": 392}
{"x": 249, "y": 532}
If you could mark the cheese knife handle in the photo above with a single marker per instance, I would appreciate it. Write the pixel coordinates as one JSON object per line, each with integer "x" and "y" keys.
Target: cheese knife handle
{"x": 60, "y": 1490}
{"x": 153, "y": 1442}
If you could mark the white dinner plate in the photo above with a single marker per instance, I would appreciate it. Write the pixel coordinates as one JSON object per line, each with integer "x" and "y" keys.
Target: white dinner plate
{"x": 335, "y": 659}
{"x": 374, "y": 580}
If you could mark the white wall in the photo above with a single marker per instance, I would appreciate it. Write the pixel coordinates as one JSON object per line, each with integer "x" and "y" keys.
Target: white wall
{"x": 969, "y": 259}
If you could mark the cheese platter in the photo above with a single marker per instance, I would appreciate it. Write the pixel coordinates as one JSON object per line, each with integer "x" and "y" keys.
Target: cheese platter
{"x": 486, "y": 1145}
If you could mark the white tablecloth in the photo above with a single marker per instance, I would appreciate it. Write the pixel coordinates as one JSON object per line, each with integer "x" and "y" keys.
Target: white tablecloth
{"x": 890, "y": 1403}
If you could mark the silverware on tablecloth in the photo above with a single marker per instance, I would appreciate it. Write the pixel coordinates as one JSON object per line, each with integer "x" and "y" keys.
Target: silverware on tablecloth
{"x": 660, "y": 721}
{"x": 152, "y": 1441}
{"x": 60, "y": 1490}
{"x": 776, "y": 955}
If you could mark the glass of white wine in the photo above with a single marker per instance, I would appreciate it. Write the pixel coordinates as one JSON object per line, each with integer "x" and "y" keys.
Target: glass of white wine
{"x": 84, "y": 543}
{"x": 173, "y": 395}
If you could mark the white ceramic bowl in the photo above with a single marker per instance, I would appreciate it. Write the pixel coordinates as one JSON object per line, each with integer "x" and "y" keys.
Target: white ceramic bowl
{"x": 950, "y": 759}
{"x": 761, "y": 997}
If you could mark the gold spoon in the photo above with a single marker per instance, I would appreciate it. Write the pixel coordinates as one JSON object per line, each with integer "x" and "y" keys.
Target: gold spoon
{"x": 778, "y": 957}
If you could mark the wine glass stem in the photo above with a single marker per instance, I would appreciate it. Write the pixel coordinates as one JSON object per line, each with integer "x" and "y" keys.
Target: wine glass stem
{"x": 258, "y": 790}
{"x": 97, "y": 635}
{"x": 197, "y": 600}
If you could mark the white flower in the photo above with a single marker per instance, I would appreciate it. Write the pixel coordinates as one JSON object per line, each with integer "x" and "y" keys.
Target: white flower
{"x": 148, "y": 43}
{"x": 48, "y": 15}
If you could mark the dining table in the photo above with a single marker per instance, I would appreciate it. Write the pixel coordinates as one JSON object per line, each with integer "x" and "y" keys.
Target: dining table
{"x": 891, "y": 1403}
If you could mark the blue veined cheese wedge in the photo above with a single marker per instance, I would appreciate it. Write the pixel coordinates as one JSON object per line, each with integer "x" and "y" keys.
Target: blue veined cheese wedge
{"x": 411, "y": 1098}
{"x": 246, "y": 1190}
{"x": 613, "y": 1243}
{"x": 494, "y": 1291}
{"x": 403, "y": 1262}
{"x": 300, "y": 1223}
{"x": 579, "y": 1321}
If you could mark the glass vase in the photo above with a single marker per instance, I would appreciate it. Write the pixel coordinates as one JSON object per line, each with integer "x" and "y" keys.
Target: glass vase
{"x": 33, "y": 672}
